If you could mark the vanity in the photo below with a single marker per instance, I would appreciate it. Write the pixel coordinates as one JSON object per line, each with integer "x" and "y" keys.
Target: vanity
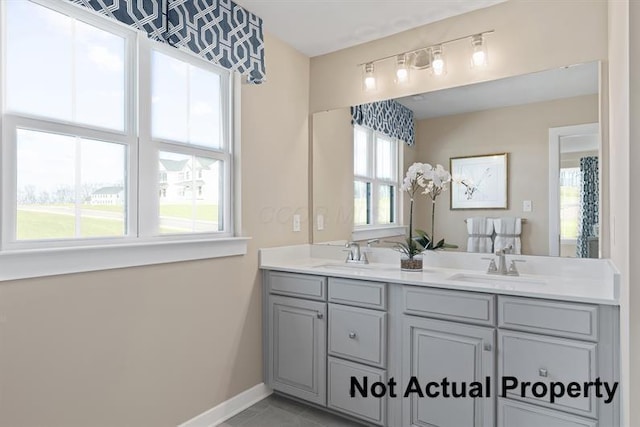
{"x": 328, "y": 323}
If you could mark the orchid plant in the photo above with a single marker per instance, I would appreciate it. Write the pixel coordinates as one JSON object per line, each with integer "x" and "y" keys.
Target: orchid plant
{"x": 422, "y": 178}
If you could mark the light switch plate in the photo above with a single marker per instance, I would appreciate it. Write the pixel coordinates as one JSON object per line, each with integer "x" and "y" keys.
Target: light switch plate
{"x": 320, "y": 222}
{"x": 527, "y": 206}
{"x": 296, "y": 222}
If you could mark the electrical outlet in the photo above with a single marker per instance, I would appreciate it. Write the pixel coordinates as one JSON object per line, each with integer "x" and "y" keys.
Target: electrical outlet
{"x": 320, "y": 222}
{"x": 527, "y": 206}
{"x": 296, "y": 222}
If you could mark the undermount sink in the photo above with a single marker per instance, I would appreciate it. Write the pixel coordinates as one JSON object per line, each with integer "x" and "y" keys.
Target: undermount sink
{"x": 495, "y": 279}
{"x": 353, "y": 266}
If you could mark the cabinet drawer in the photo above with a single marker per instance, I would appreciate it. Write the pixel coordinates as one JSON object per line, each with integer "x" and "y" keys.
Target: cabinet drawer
{"x": 516, "y": 414}
{"x": 358, "y": 292}
{"x": 533, "y": 358}
{"x": 298, "y": 285}
{"x": 450, "y": 305}
{"x": 563, "y": 319}
{"x": 358, "y": 334}
{"x": 371, "y": 409}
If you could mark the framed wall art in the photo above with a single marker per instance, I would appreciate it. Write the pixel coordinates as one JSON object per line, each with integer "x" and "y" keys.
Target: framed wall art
{"x": 479, "y": 182}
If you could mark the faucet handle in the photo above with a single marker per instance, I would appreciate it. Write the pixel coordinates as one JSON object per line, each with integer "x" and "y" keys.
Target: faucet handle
{"x": 513, "y": 270}
{"x": 492, "y": 269}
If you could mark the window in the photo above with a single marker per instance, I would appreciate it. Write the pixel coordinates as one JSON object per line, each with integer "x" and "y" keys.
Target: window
{"x": 92, "y": 154}
{"x": 569, "y": 203}
{"x": 375, "y": 170}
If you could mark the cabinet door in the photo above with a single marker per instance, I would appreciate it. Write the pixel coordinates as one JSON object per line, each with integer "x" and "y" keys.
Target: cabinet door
{"x": 297, "y": 348}
{"x": 433, "y": 350}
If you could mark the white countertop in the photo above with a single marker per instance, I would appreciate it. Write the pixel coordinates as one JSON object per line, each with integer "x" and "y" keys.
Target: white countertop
{"x": 589, "y": 281}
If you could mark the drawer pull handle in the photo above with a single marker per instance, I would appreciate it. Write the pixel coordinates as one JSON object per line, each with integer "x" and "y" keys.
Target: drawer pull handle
{"x": 320, "y": 315}
{"x": 543, "y": 372}
{"x": 487, "y": 347}
{"x": 352, "y": 335}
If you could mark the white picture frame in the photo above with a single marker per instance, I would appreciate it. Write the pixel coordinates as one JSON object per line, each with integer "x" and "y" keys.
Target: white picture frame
{"x": 479, "y": 182}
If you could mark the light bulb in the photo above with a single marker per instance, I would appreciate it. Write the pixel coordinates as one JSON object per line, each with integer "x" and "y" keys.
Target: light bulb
{"x": 402, "y": 70}
{"x": 478, "y": 58}
{"x": 479, "y": 51}
{"x": 437, "y": 64}
{"x": 369, "y": 80}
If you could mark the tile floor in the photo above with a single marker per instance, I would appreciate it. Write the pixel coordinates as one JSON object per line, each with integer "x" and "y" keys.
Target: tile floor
{"x": 277, "y": 411}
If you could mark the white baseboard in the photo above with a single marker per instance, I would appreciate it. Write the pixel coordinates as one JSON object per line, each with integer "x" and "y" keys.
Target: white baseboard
{"x": 227, "y": 409}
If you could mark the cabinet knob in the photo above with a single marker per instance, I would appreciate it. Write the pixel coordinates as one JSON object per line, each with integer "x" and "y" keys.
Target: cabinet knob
{"x": 352, "y": 335}
{"x": 543, "y": 372}
{"x": 487, "y": 347}
{"x": 320, "y": 315}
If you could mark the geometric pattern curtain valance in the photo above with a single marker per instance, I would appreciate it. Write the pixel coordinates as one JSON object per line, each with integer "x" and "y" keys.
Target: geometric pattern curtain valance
{"x": 388, "y": 117}
{"x": 217, "y": 30}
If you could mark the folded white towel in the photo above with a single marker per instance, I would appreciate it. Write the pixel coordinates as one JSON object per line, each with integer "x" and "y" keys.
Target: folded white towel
{"x": 480, "y": 230}
{"x": 508, "y": 231}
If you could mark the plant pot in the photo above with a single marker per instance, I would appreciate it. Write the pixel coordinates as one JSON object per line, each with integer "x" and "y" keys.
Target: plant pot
{"x": 411, "y": 264}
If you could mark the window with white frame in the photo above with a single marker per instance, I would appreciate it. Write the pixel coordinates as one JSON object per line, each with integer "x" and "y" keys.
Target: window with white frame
{"x": 375, "y": 170}
{"x": 107, "y": 136}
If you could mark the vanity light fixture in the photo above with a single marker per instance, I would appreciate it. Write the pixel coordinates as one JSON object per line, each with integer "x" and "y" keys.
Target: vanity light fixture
{"x": 369, "y": 81}
{"x": 402, "y": 69}
{"x": 479, "y": 51}
{"x": 427, "y": 57}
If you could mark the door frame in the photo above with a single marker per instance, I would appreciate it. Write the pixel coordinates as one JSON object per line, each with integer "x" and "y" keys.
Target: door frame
{"x": 555, "y": 135}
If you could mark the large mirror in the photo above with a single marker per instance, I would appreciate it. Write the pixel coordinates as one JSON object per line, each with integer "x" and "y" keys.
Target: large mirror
{"x": 547, "y": 123}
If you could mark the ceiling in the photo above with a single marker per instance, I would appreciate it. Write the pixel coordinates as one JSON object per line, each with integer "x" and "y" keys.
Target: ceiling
{"x": 316, "y": 27}
{"x": 557, "y": 83}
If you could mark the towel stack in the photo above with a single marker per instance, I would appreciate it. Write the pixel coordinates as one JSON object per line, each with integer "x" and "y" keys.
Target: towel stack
{"x": 508, "y": 230}
{"x": 480, "y": 230}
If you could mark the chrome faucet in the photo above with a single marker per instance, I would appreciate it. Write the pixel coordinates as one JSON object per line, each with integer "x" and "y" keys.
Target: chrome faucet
{"x": 355, "y": 254}
{"x": 501, "y": 268}
{"x": 502, "y": 260}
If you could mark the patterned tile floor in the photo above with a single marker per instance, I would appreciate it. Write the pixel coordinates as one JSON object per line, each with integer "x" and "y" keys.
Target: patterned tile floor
{"x": 277, "y": 411}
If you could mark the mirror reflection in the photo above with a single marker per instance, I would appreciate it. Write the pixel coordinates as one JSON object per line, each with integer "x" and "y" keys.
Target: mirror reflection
{"x": 546, "y": 125}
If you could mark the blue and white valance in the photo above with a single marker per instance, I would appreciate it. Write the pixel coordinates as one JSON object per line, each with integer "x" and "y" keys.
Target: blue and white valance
{"x": 217, "y": 30}
{"x": 388, "y": 117}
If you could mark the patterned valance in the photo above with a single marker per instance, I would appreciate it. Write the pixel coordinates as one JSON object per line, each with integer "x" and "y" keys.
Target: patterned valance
{"x": 388, "y": 117}
{"x": 217, "y": 30}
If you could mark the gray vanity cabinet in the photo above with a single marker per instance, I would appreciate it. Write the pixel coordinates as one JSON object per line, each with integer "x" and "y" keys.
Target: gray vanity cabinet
{"x": 297, "y": 336}
{"x": 433, "y": 350}
{"x": 319, "y": 332}
{"x": 543, "y": 341}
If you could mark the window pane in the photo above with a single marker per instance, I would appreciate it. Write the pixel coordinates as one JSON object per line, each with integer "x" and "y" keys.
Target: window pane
{"x": 569, "y": 202}
{"x": 385, "y": 158}
{"x": 169, "y": 98}
{"x": 39, "y": 60}
{"x": 362, "y": 203}
{"x": 190, "y": 194}
{"x": 386, "y": 204}
{"x": 99, "y": 77}
{"x": 360, "y": 152}
{"x": 64, "y": 69}
{"x": 68, "y": 187}
{"x": 204, "y": 108}
{"x": 186, "y": 102}
{"x": 102, "y": 192}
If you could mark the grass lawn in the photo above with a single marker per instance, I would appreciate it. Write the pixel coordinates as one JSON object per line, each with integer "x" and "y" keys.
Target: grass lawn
{"x": 42, "y": 225}
{"x": 203, "y": 212}
{"x": 59, "y": 225}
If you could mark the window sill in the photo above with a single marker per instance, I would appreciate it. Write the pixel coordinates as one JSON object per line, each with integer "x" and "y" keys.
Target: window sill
{"x": 378, "y": 232}
{"x": 50, "y": 262}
